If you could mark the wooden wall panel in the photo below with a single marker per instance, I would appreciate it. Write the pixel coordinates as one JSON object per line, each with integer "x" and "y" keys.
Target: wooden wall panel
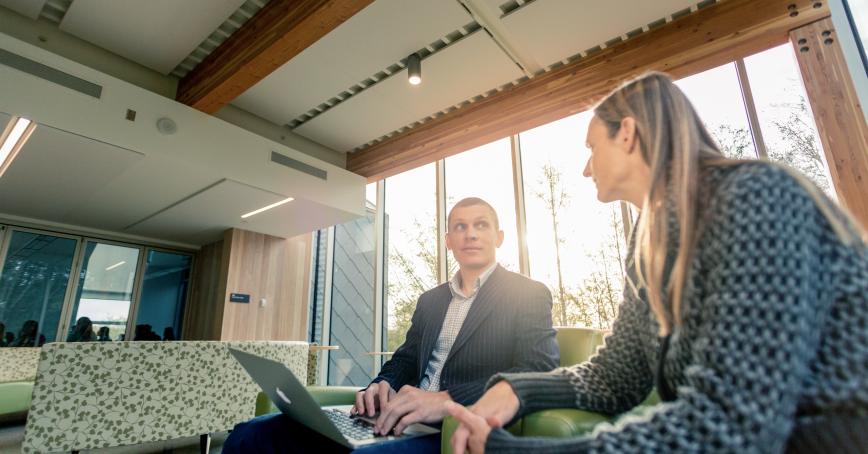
{"x": 838, "y": 114}
{"x": 273, "y": 268}
{"x": 203, "y": 314}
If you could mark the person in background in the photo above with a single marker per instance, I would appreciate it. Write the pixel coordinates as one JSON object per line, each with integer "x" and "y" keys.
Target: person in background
{"x": 82, "y": 331}
{"x": 746, "y": 303}
{"x": 27, "y": 335}
{"x": 103, "y": 334}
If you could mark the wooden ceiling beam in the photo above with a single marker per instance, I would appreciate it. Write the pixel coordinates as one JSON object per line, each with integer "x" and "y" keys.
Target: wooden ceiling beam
{"x": 277, "y": 33}
{"x": 710, "y": 37}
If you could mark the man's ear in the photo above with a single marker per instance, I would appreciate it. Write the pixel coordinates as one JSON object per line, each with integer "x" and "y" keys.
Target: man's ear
{"x": 499, "y": 237}
{"x": 448, "y": 243}
{"x": 627, "y": 134}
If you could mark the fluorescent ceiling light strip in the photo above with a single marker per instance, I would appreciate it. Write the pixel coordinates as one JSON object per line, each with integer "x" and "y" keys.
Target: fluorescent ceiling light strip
{"x": 276, "y": 204}
{"x": 13, "y": 138}
{"x": 116, "y": 265}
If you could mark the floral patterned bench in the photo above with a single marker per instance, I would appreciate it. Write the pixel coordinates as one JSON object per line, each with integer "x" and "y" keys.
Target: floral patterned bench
{"x": 17, "y": 372}
{"x": 96, "y": 395}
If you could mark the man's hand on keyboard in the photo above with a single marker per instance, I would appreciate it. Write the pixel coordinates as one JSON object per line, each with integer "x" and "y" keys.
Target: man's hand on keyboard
{"x": 409, "y": 406}
{"x": 372, "y": 399}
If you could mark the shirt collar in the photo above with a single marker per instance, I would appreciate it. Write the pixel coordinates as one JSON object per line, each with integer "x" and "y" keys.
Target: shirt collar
{"x": 455, "y": 282}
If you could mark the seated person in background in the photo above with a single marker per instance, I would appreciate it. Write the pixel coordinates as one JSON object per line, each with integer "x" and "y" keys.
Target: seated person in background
{"x": 27, "y": 335}
{"x": 485, "y": 320}
{"x": 82, "y": 331}
{"x": 103, "y": 334}
{"x": 755, "y": 282}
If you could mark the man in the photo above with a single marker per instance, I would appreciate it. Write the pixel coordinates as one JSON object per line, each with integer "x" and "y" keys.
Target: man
{"x": 484, "y": 321}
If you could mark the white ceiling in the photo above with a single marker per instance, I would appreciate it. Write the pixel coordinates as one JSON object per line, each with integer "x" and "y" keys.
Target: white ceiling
{"x": 347, "y": 89}
{"x": 372, "y": 40}
{"x": 554, "y": 30}
{"x": 69, "y": 179}
{"x": 28, "y": 8}
{"x": 155, "y": 33}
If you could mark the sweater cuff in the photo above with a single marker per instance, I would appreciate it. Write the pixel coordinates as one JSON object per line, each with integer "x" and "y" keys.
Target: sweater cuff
{"x": 539, "y": 390}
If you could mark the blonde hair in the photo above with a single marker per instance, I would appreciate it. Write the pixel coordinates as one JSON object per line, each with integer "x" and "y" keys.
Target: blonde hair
{"x": 676, "y": 145}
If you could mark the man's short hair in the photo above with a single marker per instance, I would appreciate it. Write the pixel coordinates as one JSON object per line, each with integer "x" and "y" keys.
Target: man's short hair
{"x": 472, "y": 201}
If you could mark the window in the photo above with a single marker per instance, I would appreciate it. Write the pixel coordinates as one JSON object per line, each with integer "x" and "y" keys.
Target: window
{"x": 575, "y": 243}
{"x": 164, "y": 292}
{"x": 411, "y": 248}
{"x": 352, "y": 300}
{"x": 486, "y": 172}
{"x": 716, "y": 96}
{"x": 785, "y": 117}
{"x": 105, "y": 293}
{"x": 34, "y": 279}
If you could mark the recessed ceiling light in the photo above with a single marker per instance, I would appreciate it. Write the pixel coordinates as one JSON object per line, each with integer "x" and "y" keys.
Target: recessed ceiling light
{"x": 17, "y": 132}
{"x": 276, "y": 204}
{"x": 115, "y": 265}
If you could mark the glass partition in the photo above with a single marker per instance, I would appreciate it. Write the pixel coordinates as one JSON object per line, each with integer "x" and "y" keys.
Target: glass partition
{"x": 33, "y": 282}
{"x": 104, "y": 294}
{"x": 164, "y": 292}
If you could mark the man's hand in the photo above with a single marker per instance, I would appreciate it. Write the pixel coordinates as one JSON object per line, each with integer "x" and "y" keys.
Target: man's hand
{"x": 472, "y": 431}
{"x": 375, "y": 397}
{"x": 411, "y": 405}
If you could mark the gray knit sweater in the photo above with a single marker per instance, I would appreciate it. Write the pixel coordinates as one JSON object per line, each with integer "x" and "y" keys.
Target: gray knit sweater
{"x": 775, "y": 330}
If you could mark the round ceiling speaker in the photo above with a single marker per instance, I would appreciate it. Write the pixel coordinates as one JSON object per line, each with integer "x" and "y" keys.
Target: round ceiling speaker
{"x": 167, "y": 126}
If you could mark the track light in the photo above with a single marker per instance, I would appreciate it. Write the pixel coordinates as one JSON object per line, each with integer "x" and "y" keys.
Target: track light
{"x": 414, "y": 69}
{"x": 12, "y": 139}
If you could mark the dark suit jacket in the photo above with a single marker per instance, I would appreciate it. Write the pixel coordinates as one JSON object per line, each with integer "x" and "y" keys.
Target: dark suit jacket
{"x": 508, "y": 329}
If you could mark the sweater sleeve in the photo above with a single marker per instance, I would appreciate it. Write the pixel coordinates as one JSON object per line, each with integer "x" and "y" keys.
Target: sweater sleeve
{"x": 757, "y": 331}
{"x": 613, "y": 381}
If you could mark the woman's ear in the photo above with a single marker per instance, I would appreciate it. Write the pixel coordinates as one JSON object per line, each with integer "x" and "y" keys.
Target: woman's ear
{"x": 627, "y": 134}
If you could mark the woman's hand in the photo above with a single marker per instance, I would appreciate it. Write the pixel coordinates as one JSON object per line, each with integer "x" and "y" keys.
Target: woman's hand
{"x": 472, "y": 430}
{"x": 495, "y": 408}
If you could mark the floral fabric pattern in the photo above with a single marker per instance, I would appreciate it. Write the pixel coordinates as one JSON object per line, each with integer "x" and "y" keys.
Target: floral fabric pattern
{"x": 94, "y": 395}
{"x": 18, "y": 363}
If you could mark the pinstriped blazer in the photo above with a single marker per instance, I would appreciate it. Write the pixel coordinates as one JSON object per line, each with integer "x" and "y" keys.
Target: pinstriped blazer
{"x": 508, "y": 329}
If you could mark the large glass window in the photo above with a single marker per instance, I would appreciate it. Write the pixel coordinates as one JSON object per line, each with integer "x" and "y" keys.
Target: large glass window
{"x": 352, "y": 300}
{"x": 486, "y": 172}
{"x": 575, "y": 243}
{"x": 411, "y": 247}
{"x": 716, "y": 95}
{"x": 164, "y": 291}
{"x": 784, "y": 114}
{"x": 105, "y": 292}
{"x": 33, "y": 281}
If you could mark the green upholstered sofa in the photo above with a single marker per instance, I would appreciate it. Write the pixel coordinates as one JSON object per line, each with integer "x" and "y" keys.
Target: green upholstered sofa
{"x": 17, "y": 373}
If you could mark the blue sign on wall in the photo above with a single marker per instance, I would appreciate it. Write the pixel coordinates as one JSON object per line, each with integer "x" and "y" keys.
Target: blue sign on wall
{"x": 239, "y": 297}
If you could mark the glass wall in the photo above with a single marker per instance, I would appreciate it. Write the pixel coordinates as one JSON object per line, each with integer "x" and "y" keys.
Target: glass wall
{"x": 411, "y": 248}
{"x": 784, "y": 114}
{"x": 722, "y": 109}
{"x": 164, "y": 292}
{"x": 352, "y": 301}
{"x": 486, "y": 172}
{"x": 575, "y": 243}
{"x": 104, "y": 294}
{"x": 33, "y": 282}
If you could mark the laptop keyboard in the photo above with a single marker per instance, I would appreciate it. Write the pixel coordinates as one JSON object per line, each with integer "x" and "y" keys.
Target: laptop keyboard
{"x": 356, "y": 429}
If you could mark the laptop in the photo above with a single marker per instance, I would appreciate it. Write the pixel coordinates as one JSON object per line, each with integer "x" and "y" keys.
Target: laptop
{"x": 334, "y": 422}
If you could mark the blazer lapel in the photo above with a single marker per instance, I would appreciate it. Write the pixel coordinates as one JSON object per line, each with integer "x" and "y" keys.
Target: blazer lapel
{"x": 433, "y": 325}
{"x": 485, "y": 302}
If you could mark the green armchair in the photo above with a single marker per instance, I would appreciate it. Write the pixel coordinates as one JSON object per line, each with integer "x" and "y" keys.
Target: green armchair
{"x": 576, "y": 345}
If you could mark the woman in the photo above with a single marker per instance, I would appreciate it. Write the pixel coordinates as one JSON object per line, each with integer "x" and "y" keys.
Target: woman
{"x": 746, "y": 303}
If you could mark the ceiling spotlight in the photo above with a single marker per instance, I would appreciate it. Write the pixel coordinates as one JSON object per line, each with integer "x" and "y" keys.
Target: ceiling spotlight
{"x": 12, "y": 139}
{"x": 414, "y": 69}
